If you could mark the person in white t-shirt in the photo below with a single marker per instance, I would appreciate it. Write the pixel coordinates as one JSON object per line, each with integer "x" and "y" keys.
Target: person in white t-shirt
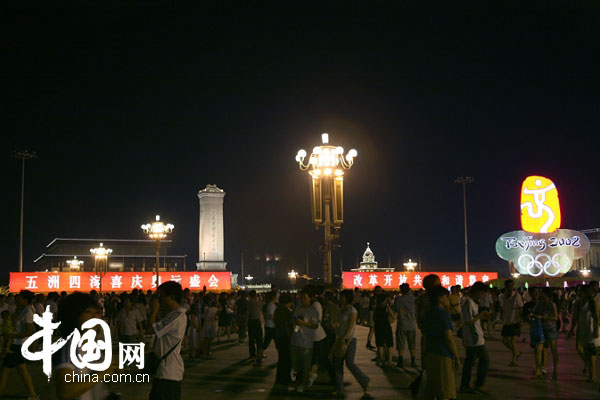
{"x": 512, "y": 304}
{"x": 270, "y": 308}
{"x": 321, "y": 346}
{"x": 23, "y": 329}
{"x": 473, "y": 340}
{"x": 169, "y": 331}
{"x": 129, "y": 322}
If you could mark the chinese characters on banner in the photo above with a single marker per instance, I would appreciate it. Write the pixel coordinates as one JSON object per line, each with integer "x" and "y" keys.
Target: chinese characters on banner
{"x": 393, "y": 280}
{"x": 115, "y": 281}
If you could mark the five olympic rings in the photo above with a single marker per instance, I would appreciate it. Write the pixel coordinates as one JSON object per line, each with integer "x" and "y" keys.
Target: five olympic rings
{"x": 535, "y": 267}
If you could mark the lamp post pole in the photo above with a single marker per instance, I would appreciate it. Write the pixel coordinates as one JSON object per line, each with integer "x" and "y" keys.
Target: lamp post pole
{"x": 464, "y": 181}
{"x": 157, "y": 230}
{"x": 157, "y": 260}
{"x": 100, "y": 253}
{"x": 22, "y": 155}
{"x": 326, "y": 165}
{"x": 293, "y": 275}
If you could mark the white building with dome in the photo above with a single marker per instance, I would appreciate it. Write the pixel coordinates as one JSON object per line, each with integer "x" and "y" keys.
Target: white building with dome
{"x": 368, "y": 263}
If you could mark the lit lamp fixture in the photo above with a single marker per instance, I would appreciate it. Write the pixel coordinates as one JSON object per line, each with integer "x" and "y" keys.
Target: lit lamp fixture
{"x": 293, "y": 275}
{"x": 326, "y": 165}
{"x": 157, "y": 231}
{"x": 585, "y": 272}
{"x": 410, "y": 265}
{"x": 515, "y": 275}
{"x": 249, "y": 278}
{"x": 100, "y": 254}
{"x": 74, "y": 264}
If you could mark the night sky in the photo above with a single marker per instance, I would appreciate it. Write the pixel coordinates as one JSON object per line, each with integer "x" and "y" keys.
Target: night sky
{"x": 133, "y": 110}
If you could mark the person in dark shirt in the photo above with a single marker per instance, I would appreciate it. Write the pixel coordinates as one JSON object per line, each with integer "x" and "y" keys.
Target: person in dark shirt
{"x": 384, "y": 338}
{"x": 241, "y": 316}
{"x": 283, "y": 335}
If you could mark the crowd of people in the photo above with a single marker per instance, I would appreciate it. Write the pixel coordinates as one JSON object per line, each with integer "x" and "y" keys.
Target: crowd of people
{"x": 314, "y": 330}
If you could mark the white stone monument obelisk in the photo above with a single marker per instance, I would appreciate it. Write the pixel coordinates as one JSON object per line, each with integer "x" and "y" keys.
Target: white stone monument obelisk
{"x": 211, "y": 255}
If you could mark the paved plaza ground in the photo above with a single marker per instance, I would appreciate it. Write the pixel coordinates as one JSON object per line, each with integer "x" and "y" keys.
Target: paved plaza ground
{"x": 232, "y": 376}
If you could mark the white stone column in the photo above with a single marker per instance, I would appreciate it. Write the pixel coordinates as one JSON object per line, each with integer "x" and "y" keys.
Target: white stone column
{"x": 211, "y": 255}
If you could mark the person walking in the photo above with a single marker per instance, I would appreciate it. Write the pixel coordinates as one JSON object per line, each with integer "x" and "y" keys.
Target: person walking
{"x": 210, "y": 328}
{"x": 441, "y": 355}
{"x": 344, "y": 349}
{"x": 306, "y": 321}
{"x": 588, "y": 335}
{"x": 255, "y": 333}
{"x": 23, "y": 329}
{"x": 406, "y": 326}
{"x": 545, "y": 310}
{"x": 169, "y": 331}
{"x": 511, "y": 303}
{"x": 284, "y": 327}
{"x": 383, "y": 317}
{"x": 321, "y": 345}
{"x": 474, "y": 341}
{"x": 241, "y": 316}
{"x": 270, "y": 308}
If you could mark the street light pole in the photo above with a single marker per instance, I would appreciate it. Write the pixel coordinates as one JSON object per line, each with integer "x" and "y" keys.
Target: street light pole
{"x": 22, "y": 155}
{"x": 157, "y": 230}
{"x": 293, "y": 275}
{"x": 100, "y": 253}
{"x": 326, "y": 165}
{"x": 464, "y": 181}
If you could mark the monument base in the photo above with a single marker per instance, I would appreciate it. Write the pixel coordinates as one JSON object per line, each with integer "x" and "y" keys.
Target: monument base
{"x": 211, "y": 265}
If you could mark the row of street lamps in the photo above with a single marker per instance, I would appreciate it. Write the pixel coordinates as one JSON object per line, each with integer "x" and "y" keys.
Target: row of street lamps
{"x": 156, "y": 231}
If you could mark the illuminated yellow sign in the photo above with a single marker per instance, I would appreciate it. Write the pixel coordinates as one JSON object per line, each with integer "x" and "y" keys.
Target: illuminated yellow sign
{"x": 540, "y": 208}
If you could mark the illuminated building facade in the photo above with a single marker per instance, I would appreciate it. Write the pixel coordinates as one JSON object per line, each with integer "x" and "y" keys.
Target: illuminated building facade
{"x": 368, "y": 263}
{"x": 127, "y": 255}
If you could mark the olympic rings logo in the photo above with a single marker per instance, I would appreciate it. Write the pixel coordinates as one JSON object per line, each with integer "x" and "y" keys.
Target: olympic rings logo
{"x": 535, "y": 267}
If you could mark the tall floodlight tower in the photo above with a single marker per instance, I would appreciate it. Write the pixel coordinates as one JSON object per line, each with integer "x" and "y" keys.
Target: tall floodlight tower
{"x": 326, "y": 167}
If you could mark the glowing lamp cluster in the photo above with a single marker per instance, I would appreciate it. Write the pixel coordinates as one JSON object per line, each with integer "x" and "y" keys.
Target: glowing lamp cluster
{"x": 410, "y": 265}
{"x": 75, "y": 264}
{"x": 541, "y": 248}
{"x": 157, "y": 230}
{"x": 326, "y": 160}
{"x": 101, "y": 252}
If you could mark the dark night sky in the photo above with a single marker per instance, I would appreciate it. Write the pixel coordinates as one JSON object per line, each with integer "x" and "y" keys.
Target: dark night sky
{"x": 132, "y": 111}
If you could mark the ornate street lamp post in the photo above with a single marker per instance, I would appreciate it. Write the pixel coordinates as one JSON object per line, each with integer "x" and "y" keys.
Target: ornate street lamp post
{"x": 100, "y": 253}
{"x": 326, "y": 166}
{"x": 293, "y": 275}
{"x": 157, "y": 231}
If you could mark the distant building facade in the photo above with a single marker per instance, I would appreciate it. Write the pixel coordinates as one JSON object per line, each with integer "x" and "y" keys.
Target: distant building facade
{"x": 592, "y": 259}
{"x": 368, "y": 263}
{"x": 127, "y": 255}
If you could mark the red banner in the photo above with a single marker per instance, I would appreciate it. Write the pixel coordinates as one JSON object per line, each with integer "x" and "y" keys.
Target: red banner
{"x": 115, "y": 281}
{"x": 393, "y": 280}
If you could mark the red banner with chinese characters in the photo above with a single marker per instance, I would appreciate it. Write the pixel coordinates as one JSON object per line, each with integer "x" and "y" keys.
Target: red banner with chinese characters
{"x": 115, "y": 281}
{"x": 393, "y": 280}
